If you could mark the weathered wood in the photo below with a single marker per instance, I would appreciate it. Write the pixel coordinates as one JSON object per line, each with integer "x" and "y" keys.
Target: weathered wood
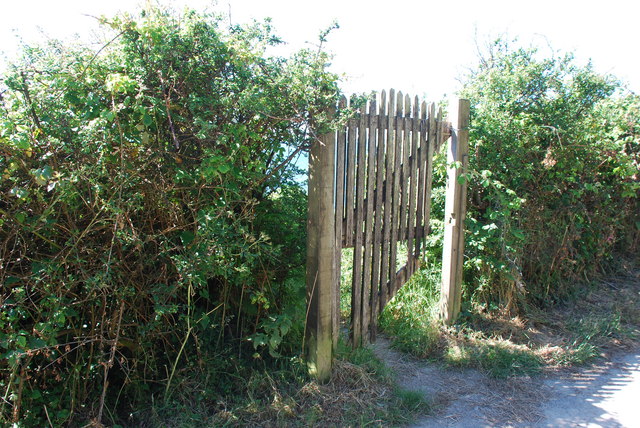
{"x": 413, "y": 191}
{"x": 357, "y": 280}
{"x": 321, "y": 268}
{"x": 455, "y": 205}
{"x": 339, "y": 217}
{"x": 377, "y": 241}
{"x": 439, "y": 131}
{"x": 369, "y": 220}
{"x": 349, "y": 203}
{"x": 422, "y": 161}
{"x": 386, "y": 209}
{"x": 432, "y": 139}
{"x": 395, "y": 193}
{"x": 383, "y": 164}
{"x": 409, "y": 122}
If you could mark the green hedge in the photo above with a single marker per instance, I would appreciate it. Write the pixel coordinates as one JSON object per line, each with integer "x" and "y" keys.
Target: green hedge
{"x": 144, "y": 187}
{"x": 554, "y": 182}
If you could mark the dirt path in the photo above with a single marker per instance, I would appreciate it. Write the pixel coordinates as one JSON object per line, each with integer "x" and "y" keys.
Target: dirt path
{"x": 606, "y": 394}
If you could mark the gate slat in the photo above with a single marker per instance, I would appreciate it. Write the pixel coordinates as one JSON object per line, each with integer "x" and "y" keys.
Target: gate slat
{"x": 395, "y": 196}
{"x": 404, "y": 174}
{"x": 433, "y": 138}
{"x": 413, "y": 190}
{"x": 339, "y": 207}
{"x": 422, "y": 161}
{"x": 357, "y": 280}
{"x": 375, "y": 273}
{"x": 350, "y": 182}
{"x": 386, "y": 209}
{"x": 369, "y": 220}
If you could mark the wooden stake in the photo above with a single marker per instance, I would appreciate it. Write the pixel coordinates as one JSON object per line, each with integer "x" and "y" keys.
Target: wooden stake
{"x": 455, "y": 210}
{"x": 321, "y": 258}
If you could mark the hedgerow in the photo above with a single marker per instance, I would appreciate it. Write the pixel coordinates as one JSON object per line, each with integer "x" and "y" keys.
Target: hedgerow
{"x": 146, "y": 197}
{"x": 554, "y": 176}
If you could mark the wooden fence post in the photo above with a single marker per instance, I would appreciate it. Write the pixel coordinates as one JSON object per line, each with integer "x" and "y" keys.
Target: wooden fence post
{"x": 455, "y": 211}
{"x": 321, "y": 268}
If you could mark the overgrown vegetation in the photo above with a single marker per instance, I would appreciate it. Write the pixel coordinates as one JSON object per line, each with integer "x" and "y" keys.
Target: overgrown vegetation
{"x": 361, "y": 392}
{"x": 152, "y": 234}
{"x": 554, "y": 186}
{"x": 554, "y": 176}
{"x": 601, "y": 318}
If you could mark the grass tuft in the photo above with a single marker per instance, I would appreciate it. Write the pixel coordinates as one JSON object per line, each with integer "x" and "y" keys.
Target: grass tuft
{"x": 411, "y": 316}
{"x": 503, "y": 345}
{"x": 498, "y": 359}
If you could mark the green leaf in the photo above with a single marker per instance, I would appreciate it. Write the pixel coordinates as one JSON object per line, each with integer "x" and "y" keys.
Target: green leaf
{"x": 187, "y": 237}
{"x": 21, "y": 341}
{"x": 19, "y": 193}
{"x": 11, "y": 279}
{"x": 518, "y": 233}
{"x": 146, "y": 119}
{"x": 43, "y": 175}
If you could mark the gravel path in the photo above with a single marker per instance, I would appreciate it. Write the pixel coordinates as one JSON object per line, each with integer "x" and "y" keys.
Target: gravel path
{"x": 606, "y": 394}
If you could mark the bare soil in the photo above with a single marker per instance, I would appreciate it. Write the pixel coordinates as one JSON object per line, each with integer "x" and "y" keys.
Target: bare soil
{"x": 605, "y": 393}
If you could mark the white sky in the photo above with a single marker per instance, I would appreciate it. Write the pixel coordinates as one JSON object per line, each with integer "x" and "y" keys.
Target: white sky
{"x": 420, "y": 47}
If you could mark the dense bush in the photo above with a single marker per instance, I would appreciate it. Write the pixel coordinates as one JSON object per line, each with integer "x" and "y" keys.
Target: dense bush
{"x": 146, "y": 195}
{"x": 554, "y": 182}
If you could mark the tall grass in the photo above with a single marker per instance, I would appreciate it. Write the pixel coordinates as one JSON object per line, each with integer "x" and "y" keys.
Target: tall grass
{"x": 411, "y": 317}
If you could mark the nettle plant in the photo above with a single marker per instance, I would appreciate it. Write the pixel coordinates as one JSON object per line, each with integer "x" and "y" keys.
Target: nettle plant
{"x": 134, "y": 238}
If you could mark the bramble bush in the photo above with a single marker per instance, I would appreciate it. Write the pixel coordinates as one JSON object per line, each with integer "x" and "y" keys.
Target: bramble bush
{"x": 151, "y": 226}
{"x": 554, "y": 176}
{"x": 553, "y": 202}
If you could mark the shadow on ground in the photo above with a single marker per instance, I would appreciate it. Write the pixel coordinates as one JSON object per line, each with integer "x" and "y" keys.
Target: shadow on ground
{"x": 604, "y": 394}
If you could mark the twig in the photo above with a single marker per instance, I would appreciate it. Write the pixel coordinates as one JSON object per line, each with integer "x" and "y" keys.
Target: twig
{"x": 184, "y": 343}
{"x": 306, "y": 317}
{"x": 100, "y": 50}
{"x": 18, "y": 400}
{"x": 166, "y": 93}
{"x": 109, "y": 365}
{"x": 282, "y": 164}
{"x": 25, "y": 91}
{"x": 46, "y": 412}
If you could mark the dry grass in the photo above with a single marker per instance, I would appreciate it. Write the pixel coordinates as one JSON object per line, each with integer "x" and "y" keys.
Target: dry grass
{"x": 355, "y": 396}
{"x": 604, "y": 318}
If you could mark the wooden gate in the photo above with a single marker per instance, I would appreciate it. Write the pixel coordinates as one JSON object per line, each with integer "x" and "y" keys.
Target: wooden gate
{"x": 370, "y": 190}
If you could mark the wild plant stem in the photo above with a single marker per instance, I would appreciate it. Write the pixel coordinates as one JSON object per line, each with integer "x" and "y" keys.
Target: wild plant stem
{"x": 184, "y": 343}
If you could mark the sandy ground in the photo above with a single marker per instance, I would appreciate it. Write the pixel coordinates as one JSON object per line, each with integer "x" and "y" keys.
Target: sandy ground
{"x": 606, "y": 394}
